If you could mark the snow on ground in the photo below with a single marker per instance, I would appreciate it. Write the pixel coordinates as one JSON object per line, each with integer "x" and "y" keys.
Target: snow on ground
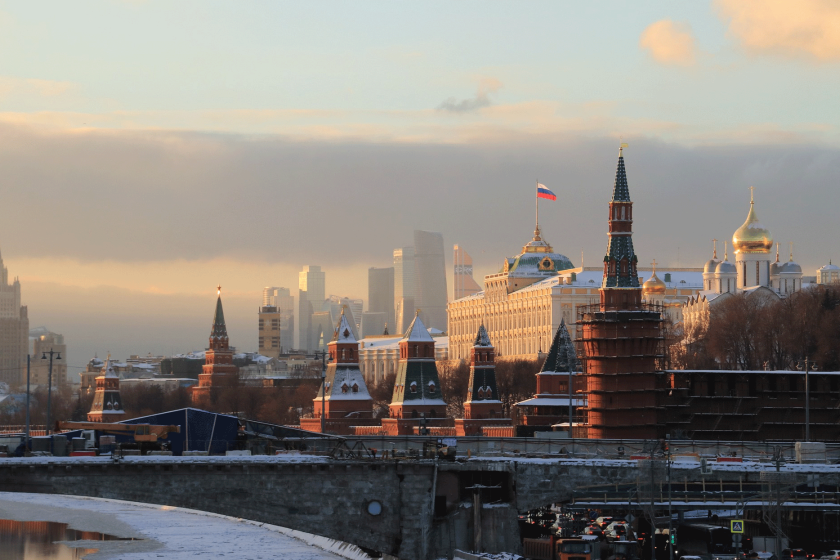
{"x": 171, "y": 533}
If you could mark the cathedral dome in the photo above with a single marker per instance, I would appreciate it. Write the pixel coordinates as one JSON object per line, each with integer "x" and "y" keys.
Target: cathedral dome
{"x": 710, "y": 266}
{"x": 653, "y": 285}
{"x": 752, "y": 237}
{"x": 791, "y": 267}
{"x": 726, "y": 267}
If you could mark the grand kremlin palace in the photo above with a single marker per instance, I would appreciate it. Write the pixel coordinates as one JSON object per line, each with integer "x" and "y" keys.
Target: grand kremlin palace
{"x": 522, "y": 305}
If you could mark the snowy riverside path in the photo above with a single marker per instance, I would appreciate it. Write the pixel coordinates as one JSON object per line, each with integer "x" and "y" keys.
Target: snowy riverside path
{"x": 170, "y": 533}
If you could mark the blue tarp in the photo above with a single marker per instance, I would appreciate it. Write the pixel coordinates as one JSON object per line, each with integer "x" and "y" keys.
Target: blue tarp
{"x": 200, "y": 430}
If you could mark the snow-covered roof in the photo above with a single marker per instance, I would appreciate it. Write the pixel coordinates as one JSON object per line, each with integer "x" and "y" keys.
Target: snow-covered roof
{"x": 551, "y": 401}
{"x": 343, "y": 332}
{"x": 417, "y": 332}
{"x": 482, "y": 339}
{"x": 108, "y": 369}
{"x": 393, "y": 343}
{"x": 348, "y": 377}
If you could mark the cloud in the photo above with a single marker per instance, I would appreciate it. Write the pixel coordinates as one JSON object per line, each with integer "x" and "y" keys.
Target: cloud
{"x": 30, "y": 86}
{"x": 481, "y": 99}
{"x": 807, "y": 28}
{"x": 669, "y": 42}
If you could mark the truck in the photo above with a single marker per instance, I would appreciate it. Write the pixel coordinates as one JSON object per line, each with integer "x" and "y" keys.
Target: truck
{"x": 553, "y": 548}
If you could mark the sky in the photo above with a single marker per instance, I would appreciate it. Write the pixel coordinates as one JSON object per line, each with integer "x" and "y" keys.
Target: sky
{"x": 150, "y": 151}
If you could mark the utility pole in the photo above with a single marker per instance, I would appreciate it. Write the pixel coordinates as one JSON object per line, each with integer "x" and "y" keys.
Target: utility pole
{"x": 28, "y": 367}
{"x": 670, "y": 514}
{"x": 323, "y": 387}
{"x": 49, "y": 385}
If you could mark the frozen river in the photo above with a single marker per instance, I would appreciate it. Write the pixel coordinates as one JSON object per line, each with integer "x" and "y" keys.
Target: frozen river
{"x": 170, "y": 533}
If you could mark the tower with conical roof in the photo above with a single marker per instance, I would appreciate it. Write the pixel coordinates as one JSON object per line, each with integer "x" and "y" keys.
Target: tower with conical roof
{"x": 621, "y": 338}
{"x": 483, "y": 408}
{"x": 343, "y": 398}
{"x": 417, "y": 386}
{"x": 107, "y": 404}
{"x": 550, "y": 405}
{"x": 218, "y": 370}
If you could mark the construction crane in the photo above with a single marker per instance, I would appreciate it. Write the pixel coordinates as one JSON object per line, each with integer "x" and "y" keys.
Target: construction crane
{"x": 143, "y": 433}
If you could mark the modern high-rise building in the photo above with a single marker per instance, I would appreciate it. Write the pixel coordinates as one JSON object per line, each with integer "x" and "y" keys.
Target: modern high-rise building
{"x": 465, "y": 285}
{"x": 381, "y": 294}
{"x": 403, "y": 288}
{"x": 276, "y": 321}
{"x": 14, "y": 330}
{"x": 430, "y": 295}
{"x": 311, "y": 294}
{"x": 44, "y": 341}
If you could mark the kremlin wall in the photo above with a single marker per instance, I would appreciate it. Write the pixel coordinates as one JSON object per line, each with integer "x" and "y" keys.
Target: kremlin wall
{"x": 604, "y": 373}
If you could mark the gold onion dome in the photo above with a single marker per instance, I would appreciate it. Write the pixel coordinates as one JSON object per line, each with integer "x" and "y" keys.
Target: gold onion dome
{"x": 653, "y": 285}
{"x": 752, "y": 237}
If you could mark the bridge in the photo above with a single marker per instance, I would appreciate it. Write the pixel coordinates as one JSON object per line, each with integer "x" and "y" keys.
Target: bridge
{"x": 414, "y": 509}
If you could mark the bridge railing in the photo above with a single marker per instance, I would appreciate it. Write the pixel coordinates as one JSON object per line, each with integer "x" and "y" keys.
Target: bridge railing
{"x": 586, "y": 448}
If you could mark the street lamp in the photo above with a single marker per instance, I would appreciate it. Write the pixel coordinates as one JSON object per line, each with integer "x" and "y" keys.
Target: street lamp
{"x": 323, "y": 387}
{"x": 49, "y": 383}
{"x": 807, "y": 365}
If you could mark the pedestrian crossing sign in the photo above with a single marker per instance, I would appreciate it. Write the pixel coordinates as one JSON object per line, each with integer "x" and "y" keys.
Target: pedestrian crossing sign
{"x": 737, "y": 526}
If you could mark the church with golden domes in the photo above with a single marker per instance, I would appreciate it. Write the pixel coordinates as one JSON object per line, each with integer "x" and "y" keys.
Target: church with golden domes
{"x": 753, "y": 272}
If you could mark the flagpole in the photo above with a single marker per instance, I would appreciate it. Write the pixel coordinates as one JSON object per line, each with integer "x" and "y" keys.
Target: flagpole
{"x": 537, "y": 199}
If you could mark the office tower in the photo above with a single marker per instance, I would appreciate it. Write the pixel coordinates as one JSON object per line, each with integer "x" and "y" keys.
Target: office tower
{"x": 311, "y": 284}
{"x": 44, "y": 341}
{"x": 276, "y": 322}
{"x": 373, "y": 324}
{"x": 430, "y": 295}
{"x": 381, "y": 293}
{"x": 465, "y": 285}
{"x": 14, "y": 331}
{"x": 403, "y": 288}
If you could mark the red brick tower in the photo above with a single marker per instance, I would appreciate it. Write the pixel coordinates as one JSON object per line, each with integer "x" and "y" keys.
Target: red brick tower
{"x": 482, "y": 409}
{"x": 218, "y": 370}
{"x": 621, "y": 337}
{"x": 347, "y": 402}
{"x": 107, "y": 404}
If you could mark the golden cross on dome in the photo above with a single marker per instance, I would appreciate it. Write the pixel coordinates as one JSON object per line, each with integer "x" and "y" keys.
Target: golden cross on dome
{"x": 654, "y": 266}
{"x": 791, "y": 251}
{"x": 752, "y": 195}
{"x": 714, "y": 256}
{"x": 219, "y": 289}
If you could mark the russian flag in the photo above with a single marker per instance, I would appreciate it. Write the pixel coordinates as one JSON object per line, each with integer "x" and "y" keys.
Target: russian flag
{"x": 543, "y": 192}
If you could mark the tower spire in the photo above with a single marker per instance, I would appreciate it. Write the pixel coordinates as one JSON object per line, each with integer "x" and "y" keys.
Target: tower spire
{"x": 620, "y": 260}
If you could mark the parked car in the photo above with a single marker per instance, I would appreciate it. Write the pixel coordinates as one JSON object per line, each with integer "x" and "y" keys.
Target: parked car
{"x": 594, "y": 530}
{"x": 619, "y": 529}
{"x": 789, "y": 553}
{"x": 603, "y": 521}
{"x": 831, "y": 555}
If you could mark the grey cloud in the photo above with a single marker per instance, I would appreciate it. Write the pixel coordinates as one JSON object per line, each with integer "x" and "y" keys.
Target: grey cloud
{"x": 465, "y": 105}
{"x": 161, "y": 196}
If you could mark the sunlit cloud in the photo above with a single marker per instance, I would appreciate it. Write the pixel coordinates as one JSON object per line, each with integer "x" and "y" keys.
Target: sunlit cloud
{"x": 669, "y": 42}
{"x": 805, "y": 28}
{"x": 31, "y": 86}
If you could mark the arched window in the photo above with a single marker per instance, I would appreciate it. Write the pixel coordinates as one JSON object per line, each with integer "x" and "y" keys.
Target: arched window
{"x": 431, "y": 386}
{"x": 413, "y": 387}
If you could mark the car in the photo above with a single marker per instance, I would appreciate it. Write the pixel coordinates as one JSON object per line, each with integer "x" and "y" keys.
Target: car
{"x": 831, "y": 555}
{"x": 618, "y": 529}
{"x": 789, "y": 553}
{"x": 605, "y": 520}
{"x": 593, "y": 530}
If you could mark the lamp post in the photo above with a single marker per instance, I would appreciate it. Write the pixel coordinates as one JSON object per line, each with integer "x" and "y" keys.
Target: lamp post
{"x": 323, "y": 387}
{"x": 49, "y": 383}
{"x": 28, "y": 367}
{"x": 807, "y": 365}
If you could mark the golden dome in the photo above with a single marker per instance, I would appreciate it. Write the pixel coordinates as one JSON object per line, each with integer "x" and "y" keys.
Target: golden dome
{"x": 752, "y": 237}
{"x": 653, "y": 285}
